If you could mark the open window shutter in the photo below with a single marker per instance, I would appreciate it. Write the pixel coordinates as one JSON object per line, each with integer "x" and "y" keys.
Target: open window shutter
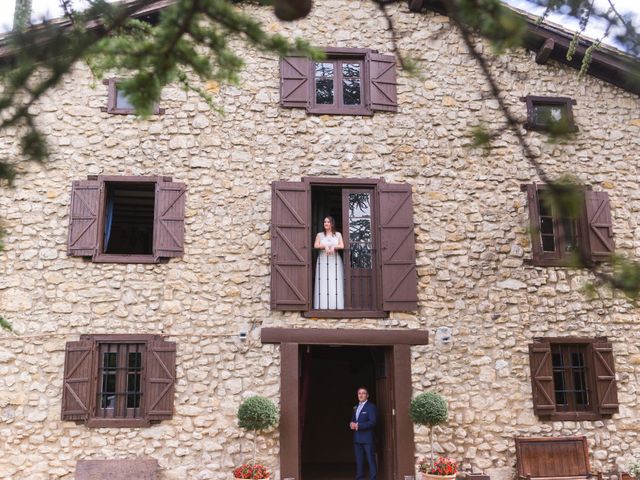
{"x": 294, "y": 82}
{"x": 382, "y": 71}
{"x": 398, "y": 252}
{"x": 83, "y": 218}
{"x": 168, "y": 234}
{"x": 542, "y": 378}
{"x": 599, "y": 225}
{"x": 160, "y": 379}
{"x": 76, "y": 387}
{"x": 290, "y": 246}
{"x": 534, "y": 222}
{"x": 605, "y": 378}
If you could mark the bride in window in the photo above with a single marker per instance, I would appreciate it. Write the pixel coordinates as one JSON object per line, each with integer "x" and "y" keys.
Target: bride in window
{"x": 329, "y": 282}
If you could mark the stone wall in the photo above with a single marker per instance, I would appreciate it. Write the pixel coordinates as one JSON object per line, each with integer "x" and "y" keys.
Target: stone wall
{"x": 472, "y": 247}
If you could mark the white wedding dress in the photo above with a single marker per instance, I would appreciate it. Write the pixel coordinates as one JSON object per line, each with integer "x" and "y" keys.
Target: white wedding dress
{"x": 328, "y": 291}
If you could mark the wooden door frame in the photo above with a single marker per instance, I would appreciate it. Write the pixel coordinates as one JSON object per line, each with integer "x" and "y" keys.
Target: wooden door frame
{"x": 400, "y": 342}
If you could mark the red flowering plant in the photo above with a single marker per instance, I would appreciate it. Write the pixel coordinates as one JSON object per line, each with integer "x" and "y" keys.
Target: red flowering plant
{"x": 252, "y": 471}
{"x": 441, "y": 466}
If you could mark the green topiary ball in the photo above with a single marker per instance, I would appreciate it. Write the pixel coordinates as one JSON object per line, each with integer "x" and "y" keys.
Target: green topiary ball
{"x": 429, "y": 408}
{"x": 257, "y": 413}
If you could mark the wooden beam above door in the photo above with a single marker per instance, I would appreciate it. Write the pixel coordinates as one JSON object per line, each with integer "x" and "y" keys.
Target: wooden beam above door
{"x": 325, "y": 336}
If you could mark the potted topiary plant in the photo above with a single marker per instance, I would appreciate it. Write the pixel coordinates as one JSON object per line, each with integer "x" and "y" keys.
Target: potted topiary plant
{"x": 634, "y": 468}
{"x": 255, "y": 413}
{"x": 430, "y": 409}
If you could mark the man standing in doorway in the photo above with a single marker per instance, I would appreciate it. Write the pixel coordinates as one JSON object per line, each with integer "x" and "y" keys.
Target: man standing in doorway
{"x": 363, "y": 421}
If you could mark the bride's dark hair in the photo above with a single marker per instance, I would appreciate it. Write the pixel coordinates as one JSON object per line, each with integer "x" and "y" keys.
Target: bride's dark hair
{"x": 332, "y": 222}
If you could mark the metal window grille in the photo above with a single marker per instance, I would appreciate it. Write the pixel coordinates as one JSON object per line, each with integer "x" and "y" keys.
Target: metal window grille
{"x": 120, "y": 380}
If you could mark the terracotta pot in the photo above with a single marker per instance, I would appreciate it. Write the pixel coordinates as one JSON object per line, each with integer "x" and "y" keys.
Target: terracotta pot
{"x": 428, "y": 476}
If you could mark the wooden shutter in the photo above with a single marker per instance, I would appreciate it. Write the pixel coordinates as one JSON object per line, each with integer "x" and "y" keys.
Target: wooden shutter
{"x": 398, "y": 252}
{"x": 599, "y": 225}
{"x": 168, "y": 228}
{"x": 605, "y": 378}
{"x": 534, "y": 223}
{"x": 78, "y": 374}
{"x": 290, "y": 246}
{"x": 294, "y": 82}
{"x": 83, "y": 218}
{"x": 382, "y": 71}
{"x": 160, "y": 374}
{"x": 542, "y": 378}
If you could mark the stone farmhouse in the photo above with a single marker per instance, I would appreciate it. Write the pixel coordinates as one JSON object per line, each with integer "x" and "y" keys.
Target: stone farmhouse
{"x": 157, "y": 272}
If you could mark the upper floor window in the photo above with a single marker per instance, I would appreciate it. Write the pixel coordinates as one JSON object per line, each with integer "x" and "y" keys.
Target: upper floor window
{"x": 573, "y": 378}
{"x": 127, "y": 219}
{"x": 350, "y": 81}
{"x": 118, "y": 380}
{"x": 342, "y": 247}
{"x": 118, "y": 102}
{"x": 557, "y": 241}
{"x": 552, "y": 114}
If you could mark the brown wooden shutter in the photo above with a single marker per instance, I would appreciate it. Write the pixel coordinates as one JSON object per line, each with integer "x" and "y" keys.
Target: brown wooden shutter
{"x": 78, "y": 375}
{"x": 168, "y": 235}
{"x": 542, "y": 378}
{"x": 160, "y": 382}
{"x": 83, "y": 218}
{"x": 398, "y": 252}
{"x": 605, "y": 378}
{"x": 534, "y": 222}
{"x": 294, "y": 82}
{"x": 290, "y": 246}
{"x": 599, "y": 225}
{"x": 382, "y": 71}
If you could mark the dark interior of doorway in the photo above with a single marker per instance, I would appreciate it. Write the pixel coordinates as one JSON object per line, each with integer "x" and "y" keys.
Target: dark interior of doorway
{"x": 330, "y": 377}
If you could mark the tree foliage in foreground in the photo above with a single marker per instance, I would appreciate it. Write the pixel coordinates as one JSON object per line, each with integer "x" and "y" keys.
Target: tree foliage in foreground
{"x": 191, "y": 44}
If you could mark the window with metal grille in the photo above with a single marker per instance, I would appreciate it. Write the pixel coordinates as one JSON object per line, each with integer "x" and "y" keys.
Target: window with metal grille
{"x": 573, "y": 378}
{"x": 120, "y": 377}
{"x": 119, "y": 380}
{"x": 570, "y": 377}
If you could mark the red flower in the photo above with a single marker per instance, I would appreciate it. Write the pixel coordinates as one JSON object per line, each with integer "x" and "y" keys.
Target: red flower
{"x": 250, "y": 471}
{"x": 442, "y": 466}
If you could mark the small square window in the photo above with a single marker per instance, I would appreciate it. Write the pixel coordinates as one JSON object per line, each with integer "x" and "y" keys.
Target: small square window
{"x": 127, "y": 219}
{"x": 117, "y": 101}
{"x": 338, "y": 86}
{"x": 550, "y": 114}
{"x": 119, "y": 380}
{"x": 558, "y": 241}
{"x": 573, "y": 378}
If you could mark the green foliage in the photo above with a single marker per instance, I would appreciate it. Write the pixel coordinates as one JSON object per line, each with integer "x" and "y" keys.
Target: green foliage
{"x": 634, "y": 468}
{"x": 21, "y": 15}
{"x": 429, "y": 408}
{"x": 5, "y": 325}
{"x": 494, "y": 21}
{"x": 257, "y": 413}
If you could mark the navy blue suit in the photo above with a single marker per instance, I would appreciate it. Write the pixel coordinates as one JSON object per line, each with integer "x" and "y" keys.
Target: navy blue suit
{"x": 364, "y": 441}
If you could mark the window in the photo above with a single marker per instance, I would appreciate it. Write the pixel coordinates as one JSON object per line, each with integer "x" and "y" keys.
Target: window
{"x": 573, "y": 378}
{"x": 118, "y": 380}
{"x": 552, "y": 114}
{"x": 378, "y": 261}
{"x": 117, "y": 101}
{"x": 557, "y": 241}
{"x": 350, "y": 81}
{"x": 127, "y": 219}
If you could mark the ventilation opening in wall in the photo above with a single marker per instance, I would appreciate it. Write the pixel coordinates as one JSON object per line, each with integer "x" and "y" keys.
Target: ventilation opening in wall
{"x": 129, "y": 218}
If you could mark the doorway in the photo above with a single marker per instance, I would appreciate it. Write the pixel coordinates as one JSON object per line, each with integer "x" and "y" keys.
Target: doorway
{"x": 329, "y": 379}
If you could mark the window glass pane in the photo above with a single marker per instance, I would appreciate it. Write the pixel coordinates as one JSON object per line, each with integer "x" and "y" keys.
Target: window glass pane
{"x": 549, "y": 114}
{"x": 324, "y": 91}
{"x": 559, "y": 384}
{"x": 360, "y": 242}
{"x": 579, "y": 380}
{"x": 350, "y": 70}
{"x": 122, "y": 101}
{"x": 133, "y": 379}
{"x": 570, "y": 235}
{"x": 109, "y": 371}
{"x": 351, "y": 91}
{"x": 324, "y": 70}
